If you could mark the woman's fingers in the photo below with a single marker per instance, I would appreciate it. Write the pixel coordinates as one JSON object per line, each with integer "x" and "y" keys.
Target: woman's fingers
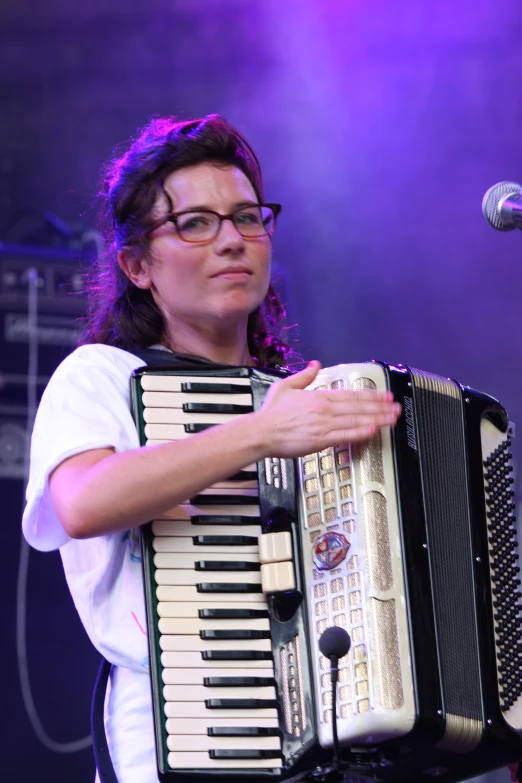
{"x": 296, "y": 422}
{"x": 352, "y": 421}
{"x": 362, "y": 407}
{"x": 355, "y": 435}
{"x": 360, "y": 402}
{"x": 366, "y": 397}
{"x": 300, "y": 380}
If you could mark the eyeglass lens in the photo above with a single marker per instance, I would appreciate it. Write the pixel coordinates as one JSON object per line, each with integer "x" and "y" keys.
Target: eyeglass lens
{"x": 250, "y": 222}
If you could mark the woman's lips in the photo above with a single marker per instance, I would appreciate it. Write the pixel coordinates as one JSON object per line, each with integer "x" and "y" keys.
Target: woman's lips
{"x": 234, "y": 274}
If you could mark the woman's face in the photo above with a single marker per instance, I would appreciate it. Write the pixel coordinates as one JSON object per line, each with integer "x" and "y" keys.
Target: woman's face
{"x": 213, "y": 285}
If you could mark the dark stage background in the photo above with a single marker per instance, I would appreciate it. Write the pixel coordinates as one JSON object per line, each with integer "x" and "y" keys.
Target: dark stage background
{"x": 379, "y": 125}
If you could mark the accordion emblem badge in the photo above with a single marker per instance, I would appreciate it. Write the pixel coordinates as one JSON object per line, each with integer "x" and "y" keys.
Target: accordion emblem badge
{"x": 330, "y": 550}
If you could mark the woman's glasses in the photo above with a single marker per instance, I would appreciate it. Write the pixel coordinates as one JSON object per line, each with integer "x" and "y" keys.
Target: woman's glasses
{"x": 203, "y": 225}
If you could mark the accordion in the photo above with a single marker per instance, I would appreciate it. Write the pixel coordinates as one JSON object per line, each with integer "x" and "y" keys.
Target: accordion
{"x": 407, "y": 541}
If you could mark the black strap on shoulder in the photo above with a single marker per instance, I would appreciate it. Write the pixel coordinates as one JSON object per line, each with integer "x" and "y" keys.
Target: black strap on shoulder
{"x": 155, "y": 356}
{"x": 102, "y": 757}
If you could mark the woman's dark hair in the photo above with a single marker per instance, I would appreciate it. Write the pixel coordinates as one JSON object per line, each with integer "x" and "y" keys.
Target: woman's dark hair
{"x": 120, "y": 313}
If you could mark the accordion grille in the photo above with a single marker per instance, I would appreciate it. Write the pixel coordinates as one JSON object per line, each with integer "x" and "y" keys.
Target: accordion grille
{"x": 503, "y": 559}
{"x": 385, "y": 641}
{"x": 292, "y": 687}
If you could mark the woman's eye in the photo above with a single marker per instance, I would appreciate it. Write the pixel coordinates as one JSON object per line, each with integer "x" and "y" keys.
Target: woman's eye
{"x": 193, "y": 222}
{"x": 250, "y": 217}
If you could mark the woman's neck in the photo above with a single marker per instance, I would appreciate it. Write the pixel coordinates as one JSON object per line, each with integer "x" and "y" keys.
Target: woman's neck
{"x": 216, "y": 347}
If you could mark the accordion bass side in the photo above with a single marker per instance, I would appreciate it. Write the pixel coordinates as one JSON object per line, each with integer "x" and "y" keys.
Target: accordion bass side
{"x": 408, "y": 541}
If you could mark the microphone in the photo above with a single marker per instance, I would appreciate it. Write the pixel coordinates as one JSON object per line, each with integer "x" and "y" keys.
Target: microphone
{"x": 502, "y": 206}
{"x": 334, "y": 644}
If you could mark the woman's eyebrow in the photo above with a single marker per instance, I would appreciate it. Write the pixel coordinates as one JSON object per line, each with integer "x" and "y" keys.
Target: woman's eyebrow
{"x": 206, "y": 208}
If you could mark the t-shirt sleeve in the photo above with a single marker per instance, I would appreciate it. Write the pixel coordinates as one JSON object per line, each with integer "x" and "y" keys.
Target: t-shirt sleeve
{"x": 85, "y": 406}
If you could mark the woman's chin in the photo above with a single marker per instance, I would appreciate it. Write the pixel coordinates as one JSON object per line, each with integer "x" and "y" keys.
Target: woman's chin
{"x": 237, "y": 307}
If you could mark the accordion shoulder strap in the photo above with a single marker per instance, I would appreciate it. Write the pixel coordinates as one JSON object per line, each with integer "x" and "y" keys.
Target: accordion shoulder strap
{"x": 156, "y": 356}
{"x": 102, "y": 756}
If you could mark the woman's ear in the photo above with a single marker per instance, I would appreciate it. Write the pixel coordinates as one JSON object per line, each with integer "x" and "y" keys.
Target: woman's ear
{"x": 135, "y": 267}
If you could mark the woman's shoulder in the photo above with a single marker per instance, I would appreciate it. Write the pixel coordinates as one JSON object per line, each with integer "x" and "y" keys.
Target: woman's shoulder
{"x": 99, "y": 356}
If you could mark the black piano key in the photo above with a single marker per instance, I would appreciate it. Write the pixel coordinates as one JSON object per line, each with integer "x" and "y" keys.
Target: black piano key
{"x": 215, "y": 407}
{"x": 237, "y": 655}
{"x": 192, "y": 427}
{"x": 224, "y": 500}
{"x": 243, "y": 731}
{"x": 235, "y": 520}
{"x": 245, "y": 753}
{"x": 233, "y": 633}
{"x": 226, "y": 565}
{"x": 240, "y": 704}
{"x": 214, "y": 388}
{"x": 232, "y": 614}
{"x": 238, "y": 682}
{"x": 228, "y": 587}
{"x": 224, "y": 540}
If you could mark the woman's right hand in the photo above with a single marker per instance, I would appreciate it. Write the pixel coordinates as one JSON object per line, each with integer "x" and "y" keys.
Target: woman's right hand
{"x": 295, "y": 422}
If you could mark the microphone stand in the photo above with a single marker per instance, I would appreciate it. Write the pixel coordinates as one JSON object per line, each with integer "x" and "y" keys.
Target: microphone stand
{"x": 334, "y": 644}
{"x": 334, "y": 676}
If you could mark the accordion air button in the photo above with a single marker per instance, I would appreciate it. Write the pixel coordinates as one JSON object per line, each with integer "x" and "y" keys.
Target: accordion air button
{"x": 277, "y": 577}
{"x": 275, "y": 547}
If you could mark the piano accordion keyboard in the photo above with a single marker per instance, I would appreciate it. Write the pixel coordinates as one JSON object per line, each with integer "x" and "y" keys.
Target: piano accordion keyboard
{"x": 214, "y": 629}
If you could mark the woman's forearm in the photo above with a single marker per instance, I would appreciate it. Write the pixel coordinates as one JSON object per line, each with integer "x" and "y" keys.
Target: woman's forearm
{"x": 120, "y": 491}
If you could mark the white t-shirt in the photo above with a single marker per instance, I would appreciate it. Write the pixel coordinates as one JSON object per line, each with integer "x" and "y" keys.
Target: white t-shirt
{"x": 87, "y": 406}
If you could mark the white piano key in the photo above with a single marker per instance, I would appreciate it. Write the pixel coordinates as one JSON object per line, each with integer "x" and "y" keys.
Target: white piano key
{"x": 198, "y": 742}
{"x": 188, "y": 660}
{"x": 241, "y": 485}
{"x": 250, "y": 493}
{"x": 196, "y": 726}
{"x": 166, "y": 432}
{"x": 197, "y": 709}
{"x": 202, "y": 552}
{"x": 195, "y": 644}
{"x": 172, "y": 576}
{"x": 195, "y": 676}
{"x": 186, "y": 544}
{"x": 179, "y": 609}
{"x": 172, "y": 383}
{"x": 191, "y": 693}
{"x": 177, "y": 431}
{"x": 188, "y": 593}
{"x": 184, "y": 528}
{"x": 188, "y": 561}
{"x": 184, "y": 625}
{"x": 168, "y": 545}
{"x": 226, "y": 492}
{"x": 179, "y": 416}
{"x": 169, "y": 400}
{"x": 202, "y": 761}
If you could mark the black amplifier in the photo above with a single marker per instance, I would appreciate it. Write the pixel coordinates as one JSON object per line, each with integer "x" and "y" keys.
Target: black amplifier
{"x": 60, "y": 303}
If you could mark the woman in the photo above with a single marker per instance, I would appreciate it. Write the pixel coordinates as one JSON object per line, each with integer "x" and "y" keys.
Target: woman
{"x": 186, "y": 270}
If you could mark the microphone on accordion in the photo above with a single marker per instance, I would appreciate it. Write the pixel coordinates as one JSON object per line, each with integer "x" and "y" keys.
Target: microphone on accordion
{"x": 406, "y": 542}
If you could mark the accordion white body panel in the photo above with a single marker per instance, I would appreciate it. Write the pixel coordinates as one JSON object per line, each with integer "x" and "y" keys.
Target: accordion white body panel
{"x": 349, "y": 527}
{"x": 184, "y": 671}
